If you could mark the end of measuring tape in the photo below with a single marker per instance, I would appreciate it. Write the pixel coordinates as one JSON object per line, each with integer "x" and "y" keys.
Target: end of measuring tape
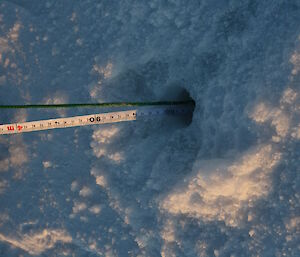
{"x": 165, "y": 110}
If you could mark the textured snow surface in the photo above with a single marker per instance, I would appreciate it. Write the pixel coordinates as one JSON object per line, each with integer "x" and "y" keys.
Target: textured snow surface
{"x": 226, "y": 185}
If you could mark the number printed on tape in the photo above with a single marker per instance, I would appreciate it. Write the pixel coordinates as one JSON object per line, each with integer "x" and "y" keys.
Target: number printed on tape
{"x": 100, "y": 118}
{"x": 85, "y": 120}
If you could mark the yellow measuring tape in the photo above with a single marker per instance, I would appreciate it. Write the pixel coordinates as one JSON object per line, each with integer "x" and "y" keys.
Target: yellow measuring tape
{"x": 94, "y": 119}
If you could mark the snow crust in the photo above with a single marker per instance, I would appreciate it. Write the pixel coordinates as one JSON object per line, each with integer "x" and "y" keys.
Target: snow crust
{"x": 226, "y": 185}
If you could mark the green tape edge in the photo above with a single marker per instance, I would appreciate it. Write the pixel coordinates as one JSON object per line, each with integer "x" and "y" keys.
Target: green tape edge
{"x": 114, "y": 104}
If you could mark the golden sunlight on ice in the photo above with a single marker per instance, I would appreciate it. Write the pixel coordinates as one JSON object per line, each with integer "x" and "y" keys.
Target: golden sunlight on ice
{"x": 101, "y": 139}
{"x": 219, "y": 188}
{"x": 283, "y": 118}
{"x": 37, "y": 243}
{"x": 105, "y": 71}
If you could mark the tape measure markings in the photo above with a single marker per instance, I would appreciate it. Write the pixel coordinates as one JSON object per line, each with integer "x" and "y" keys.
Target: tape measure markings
{"x": 99, "y": 118}
{"x": 91, "y": 119}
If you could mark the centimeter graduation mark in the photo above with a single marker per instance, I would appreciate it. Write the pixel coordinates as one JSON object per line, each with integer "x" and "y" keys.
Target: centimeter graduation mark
{"x": 84, "y": 120}
{"x": 92, "y": 119}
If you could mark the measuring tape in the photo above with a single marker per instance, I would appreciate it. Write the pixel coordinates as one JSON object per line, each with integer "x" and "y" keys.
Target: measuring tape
{"x": 93, "y": 119}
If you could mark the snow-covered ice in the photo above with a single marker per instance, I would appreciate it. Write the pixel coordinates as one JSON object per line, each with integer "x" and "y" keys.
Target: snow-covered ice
{"x": 227, "y": 184}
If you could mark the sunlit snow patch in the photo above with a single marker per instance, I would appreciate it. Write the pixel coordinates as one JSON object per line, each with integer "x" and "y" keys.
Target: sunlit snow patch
{"x": 37, "y": 243}
{"x": 220, "y": 188}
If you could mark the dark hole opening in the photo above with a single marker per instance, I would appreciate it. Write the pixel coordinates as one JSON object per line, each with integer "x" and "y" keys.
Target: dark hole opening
{"x": 177, "y": 93}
